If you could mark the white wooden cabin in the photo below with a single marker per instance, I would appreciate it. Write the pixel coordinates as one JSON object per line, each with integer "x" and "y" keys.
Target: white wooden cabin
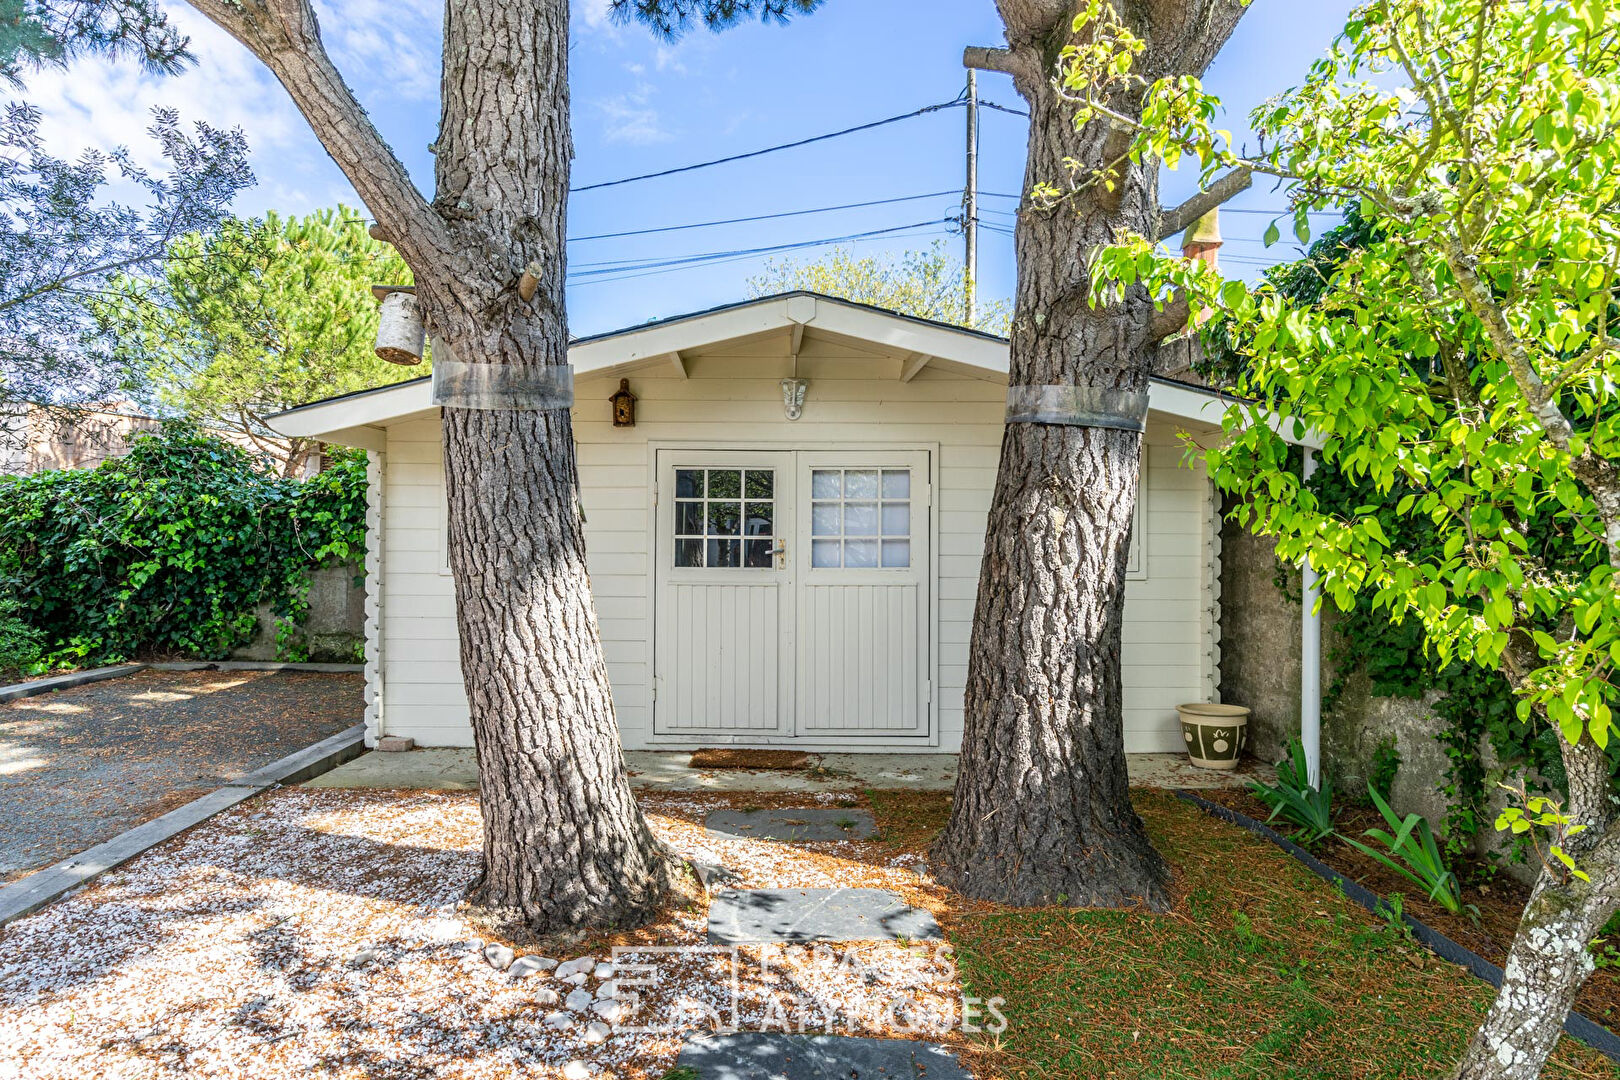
{"x": 762, "y": 581}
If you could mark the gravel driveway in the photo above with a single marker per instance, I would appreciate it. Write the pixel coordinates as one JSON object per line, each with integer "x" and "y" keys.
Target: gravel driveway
{"x": 80, "y": 766}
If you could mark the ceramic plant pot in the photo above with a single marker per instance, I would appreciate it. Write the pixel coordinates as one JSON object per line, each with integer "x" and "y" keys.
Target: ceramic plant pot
{"x": 1215, "y": 734}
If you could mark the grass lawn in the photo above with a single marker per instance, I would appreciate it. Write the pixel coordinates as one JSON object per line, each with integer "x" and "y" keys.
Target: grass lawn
{"x": 1261, "y": 970}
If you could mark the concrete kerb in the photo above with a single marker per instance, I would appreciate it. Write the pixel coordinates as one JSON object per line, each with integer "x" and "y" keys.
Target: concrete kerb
{"x": 1582, "y": 1027}
{"x": 63, "y": 682}
{"x": 25, "y": 896}
{"x": 256, "y": 665}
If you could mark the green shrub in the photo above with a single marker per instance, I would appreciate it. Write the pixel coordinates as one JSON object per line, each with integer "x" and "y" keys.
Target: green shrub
{"x": 169, "y": 549}
{"x": 20, "y": 644}
{"x": 1295, "y": 799}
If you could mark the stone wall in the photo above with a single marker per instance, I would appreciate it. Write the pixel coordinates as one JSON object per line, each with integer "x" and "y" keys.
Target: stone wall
{"x": 334, "y": 631}
{"x": 1260, "y": 665}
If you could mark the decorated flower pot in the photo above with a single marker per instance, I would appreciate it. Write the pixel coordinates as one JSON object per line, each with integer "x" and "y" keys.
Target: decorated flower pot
{"x": 1215, "y": 734}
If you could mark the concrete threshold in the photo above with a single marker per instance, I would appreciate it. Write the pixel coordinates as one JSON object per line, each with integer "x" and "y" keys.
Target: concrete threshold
{"x": 33, "y": 892}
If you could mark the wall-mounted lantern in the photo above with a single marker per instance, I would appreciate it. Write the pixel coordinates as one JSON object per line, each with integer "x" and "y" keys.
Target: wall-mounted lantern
{"x": 793, "y": 391}
{"x": 624, "y": 405}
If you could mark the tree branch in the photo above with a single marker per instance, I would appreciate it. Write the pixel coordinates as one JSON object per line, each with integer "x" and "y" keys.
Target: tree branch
{"x": 986, "y": 58}
{"x": 1174, "y": 221}
{"x": 285, "y": 37}
{"x": 1170, "y": 319}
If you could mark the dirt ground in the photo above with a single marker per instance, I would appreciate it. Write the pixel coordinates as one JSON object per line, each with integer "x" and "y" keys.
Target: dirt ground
{"x": 79, "y": 766}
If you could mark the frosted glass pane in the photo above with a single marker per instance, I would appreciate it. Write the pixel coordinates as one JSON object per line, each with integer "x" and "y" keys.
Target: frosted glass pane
{"x": 860, "y": 553}
{"x": 897, "y": 483}
{"x": 861, "y": 484}
{"x": 860, "y": 519}
{"x": 824, "y": 553}
{"x": 824, "y": 520}
{"x": 897, "y": 553}
{"x": 897, "y": 519}
{"x": 824, "y": 484}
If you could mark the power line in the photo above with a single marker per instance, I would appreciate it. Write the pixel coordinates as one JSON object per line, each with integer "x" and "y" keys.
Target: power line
{"x": 1004, "y": 108}
{"x": 764, "y": 217}
{"x": 958, "y": 103}
{"x": 692, "y": 259}
{"x": 649, "y": 269}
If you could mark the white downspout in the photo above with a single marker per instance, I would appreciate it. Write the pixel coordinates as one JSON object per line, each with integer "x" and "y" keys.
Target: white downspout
{"x": 1310, "y": 663}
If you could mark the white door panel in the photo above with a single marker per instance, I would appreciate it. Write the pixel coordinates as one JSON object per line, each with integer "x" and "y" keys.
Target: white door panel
{"x": 805, "y": 614}
{"x": 724, "y": 615}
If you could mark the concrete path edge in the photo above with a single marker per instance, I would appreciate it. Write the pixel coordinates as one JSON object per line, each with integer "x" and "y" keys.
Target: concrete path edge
{"x": 27, "y": 895}
{"x": 16, "y": 691}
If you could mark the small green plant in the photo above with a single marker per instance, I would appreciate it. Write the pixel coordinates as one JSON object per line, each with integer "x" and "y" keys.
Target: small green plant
{"x": 1535, "y": 814}
{"x": 1410, "y": 850}
{"x": 1295, "y": 799}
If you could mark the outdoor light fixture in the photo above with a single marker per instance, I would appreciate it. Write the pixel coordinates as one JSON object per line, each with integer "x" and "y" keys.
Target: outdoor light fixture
{"x": 793, "y": 397}
{"x": 624, "y": 405}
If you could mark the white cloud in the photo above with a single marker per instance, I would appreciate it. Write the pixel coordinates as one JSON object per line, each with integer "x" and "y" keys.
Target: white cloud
{"x": 395, "y": 44}
{"x": 595, "y": 15}
{"x": 631, "y": 118}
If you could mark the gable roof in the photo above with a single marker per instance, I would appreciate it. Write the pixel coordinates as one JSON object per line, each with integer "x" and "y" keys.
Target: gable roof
{"x": 343, "y": 419}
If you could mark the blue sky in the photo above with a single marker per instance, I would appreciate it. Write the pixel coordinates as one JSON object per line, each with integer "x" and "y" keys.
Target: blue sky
{"x": 641, "y": 105}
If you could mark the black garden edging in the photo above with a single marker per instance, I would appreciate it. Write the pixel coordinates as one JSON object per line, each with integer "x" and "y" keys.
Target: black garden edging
{"x": 1588, "y": 1031}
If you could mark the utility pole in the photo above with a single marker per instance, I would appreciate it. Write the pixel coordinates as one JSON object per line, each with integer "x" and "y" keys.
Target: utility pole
{"x": 970, "y": 201}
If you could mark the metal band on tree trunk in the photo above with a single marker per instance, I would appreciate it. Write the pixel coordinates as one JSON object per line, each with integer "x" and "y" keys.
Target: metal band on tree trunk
{"x": 511, "y": 387}
{"x": 1078, "y": 406}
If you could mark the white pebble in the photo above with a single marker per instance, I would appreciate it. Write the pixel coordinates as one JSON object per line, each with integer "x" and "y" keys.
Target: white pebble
{"x": 576, "y": 1070}
{"x": 596, "y": 1032}
{"x": 609, "y": 1010}
{"x": 558, "y": 1020}
{"x": 604, "y": 970}
{"x": 500, "y": 957}
{"x": 578, "y": 1000}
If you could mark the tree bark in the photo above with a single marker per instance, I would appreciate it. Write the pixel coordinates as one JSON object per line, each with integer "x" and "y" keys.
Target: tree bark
{"x": 564, "y": 843}
{"x": 1042, "y": 811}
{"x": 1549, "y": 960}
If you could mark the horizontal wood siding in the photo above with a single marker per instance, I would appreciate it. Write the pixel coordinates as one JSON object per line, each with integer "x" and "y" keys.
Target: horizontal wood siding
{"x": 732, "y": 398}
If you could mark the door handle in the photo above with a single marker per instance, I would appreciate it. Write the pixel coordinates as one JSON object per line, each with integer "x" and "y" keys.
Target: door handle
{"x": 780, "y": 551}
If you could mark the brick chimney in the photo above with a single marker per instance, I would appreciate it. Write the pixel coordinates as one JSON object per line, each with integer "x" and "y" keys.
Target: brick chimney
{"x": 1202, "y": 240}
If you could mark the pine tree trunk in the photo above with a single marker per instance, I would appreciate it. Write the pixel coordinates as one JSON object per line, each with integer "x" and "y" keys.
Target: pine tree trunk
{"x": 1042, "y": 812}
{"x": 564, "y": 843}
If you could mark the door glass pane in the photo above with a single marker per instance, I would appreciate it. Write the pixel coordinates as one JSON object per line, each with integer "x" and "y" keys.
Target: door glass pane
{"x": 689, "y": 518}
{"x": 825, "y": 520}
{"x": 897, "y": 483}
{"x": 860, "y": 519}
{"x": 897, "y": 553}
{"x": 725, "y": 552}
{"x": 688, "y": 553}
{"x": 757, "y": 554}
{"x": 824, "y": 554}
{"x": 757, "y": 520}
{"x": 689, "y": 483}
{"x": 860, "y": 553}
{"x": 861, "y": 484}
{"x": 725, "y": 484}
{"x": 759, "y": 483}
{"x": 825, "y": 484}
{"x": 897, "y": 519}
{"x": 725, "y": 518}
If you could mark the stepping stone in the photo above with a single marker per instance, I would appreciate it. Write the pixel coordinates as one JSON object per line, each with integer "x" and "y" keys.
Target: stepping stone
{"x": 742, "y": 916}
{"x": 793, "y": 825}
{"x": 772, "y": 1056}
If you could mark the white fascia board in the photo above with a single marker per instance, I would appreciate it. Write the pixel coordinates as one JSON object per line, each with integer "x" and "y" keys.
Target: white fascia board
{"x": 362, "y": 410}
{"x": 1210, "y": 408}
